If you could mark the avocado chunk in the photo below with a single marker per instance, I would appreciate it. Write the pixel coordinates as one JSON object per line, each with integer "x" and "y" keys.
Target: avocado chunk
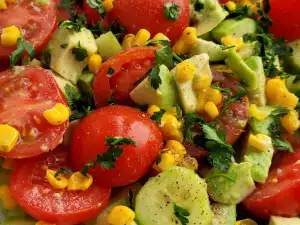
{"x": 249, "y": 49}
{"x": 61, "y": 48}
{"x": 187, "y": 95}
{"x": 206, "y": 15}
{"x": 85, "y": 82}
{"x": 62, "y": 82}
{"x": 292, "y": 63}
{"x": 214, "y": 51}
{"x": 234, "y": 27}
{"x": 165, "y": 96}
{"x": 241, "y": 69}
{"x": 108, "y": 45}
{"x": 292, "y": 85}
{"x": 231, "y": 187}
{"x": 223, "y": 214}
{"x": 277, "y": 220}
{"x": 258, "y": 95}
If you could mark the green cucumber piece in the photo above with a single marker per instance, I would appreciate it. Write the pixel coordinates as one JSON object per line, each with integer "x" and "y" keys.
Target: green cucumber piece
{"x": 108, "y": 45}
{"x": 223, "y": 214}
{"x": 85, "y": 82}
{"x": 292, "y": 63}
{"x": 292, "y": 85}
{"x": 176, "y": 185}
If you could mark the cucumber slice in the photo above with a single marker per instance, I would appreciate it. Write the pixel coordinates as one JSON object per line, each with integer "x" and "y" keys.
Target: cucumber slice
{"x": 176, "y": 185}
{"x": 292, "y": 63}
{"x": 108, "y": 45}
{"x": 224, "y": 214}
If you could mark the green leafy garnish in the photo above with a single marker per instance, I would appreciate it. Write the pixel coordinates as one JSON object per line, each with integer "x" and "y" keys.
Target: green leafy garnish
{"x": 210, "y": 179}
{"x": 241, "y": 92}
{"x": 63, "y": 171}
{"x": 66, "y": 4}
{"x": 181, "y": 214}
{"x": 217, "y": 86}
{"x": 154, "y": 77}
{"x": 97, "y": 4}
{"x": 190, "y": 120}
{"x": 107, "y": 159}
{"x": 178, "y": 112}
{"x": 223, "y": 47}
{"x": 282, "y": 145}
{"x": 171, "y": 11}
{"x": 46, "y": 59}
{"x": 199, "y": 5}
{"x": 110, "y": 71}
{"x": 79, "y": 53}
{"x": 22, "y": 46}
{"x": 76, "y": 26}
{"x": 64, "y": 45}
{"x": 156, "y": 117}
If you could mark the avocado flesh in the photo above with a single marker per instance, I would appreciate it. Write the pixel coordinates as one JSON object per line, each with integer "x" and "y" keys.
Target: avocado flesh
{"x": 277, "y": 220}
{"x": 223, "y": 214}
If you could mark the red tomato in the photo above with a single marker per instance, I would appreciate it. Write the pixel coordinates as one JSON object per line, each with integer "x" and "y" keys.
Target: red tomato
{"x": 286, "y": 17}
{"x": 39, "y": 199}
{"x": 25, "y": 92}
{"x": 148, "y": 14}
{"x": 91, "y": 14}
{"x": 129, "y": 66}
{"x": 279, "y": 195}
{"x": 64, "y": 14}
{"x": 37, "y": 23}
{"x": 117, "y": 121}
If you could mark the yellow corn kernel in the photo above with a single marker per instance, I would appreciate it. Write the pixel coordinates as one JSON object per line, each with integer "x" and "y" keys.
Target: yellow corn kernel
{"x": 152, "y": 109}
{"x": 120, "y": 215}
{"x": 6, "y": 197}
{"x": 189, "y": 36}
{"x": 141, "y": 38}
{"x": 290, "y": 122}
{"x": 244, "y": 2}
{"x": 79, "y": 182}
{"x": 231, "y": 5}
{"x": 185, "y": 71}
{"x": 59, "y": 182}
{"x": 189, "y": 163}
{"x": 176, "y": 149}
{"x": 166, "y": 160}
{"x": 169, "y": 123}
{"x": 8, "y": 138}
{"x": 232, "y": 41}
{"x": 181, "y": 47}
{"x": 214, "y": 95}
{"x": 9, "y": 164}
{"x": 211, "y": 109}
{"x": 10, "y": 36}
{"x": 245, "y": 222}
{"x": 172, "y": 111}
{"x": 160, "y": 36}
{"x": 201, "y": 82}
{"x": 201, "y": 100}
{"x": 127, "y": 41}
{"x": 41, "y": 222}
{"x": 107, "y": 5}
{"x": 260, "y": 142}
{"x": 3, "y": 4}
{"x": 94, "y": 63}
{"x": 254, "y": 112}
{"x": 57, "y": 115}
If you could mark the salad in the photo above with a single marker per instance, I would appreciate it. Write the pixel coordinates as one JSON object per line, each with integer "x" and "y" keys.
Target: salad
{"x": 149, "y": 112}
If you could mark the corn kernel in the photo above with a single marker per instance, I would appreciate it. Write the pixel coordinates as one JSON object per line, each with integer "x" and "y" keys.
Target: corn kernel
{"x": 176, "y": 149}
{"x": 141, "y": 38}
{"x": 95, "y": 63}
{"x": 107, "y": 5}
{"x": 160, "y": 36}
{"x": 214, "y": 95}
{"x": 245, "y": 222}
{"x": 260, "y": 142}
{"x": 152, "y": 109}
{"x": 120, "y": 215}
{"x": 244, "y": 2}
{"x": 189, "y": 36}
{"x": 231, "y": 5}
{"x": 6, "y": 197}
{"x": 3, "y": 4}
{"x": 9, "y": 164}
{"x": 10, "y": 36}
{"x": 169, "y": 123}
{"x": 254, "y": 112}
{"x": 41, "y": 222}
{"x": 189, "y": 163}
{"x": 185, "y": 71}
{"x": 211, "y": 109}
{"x": 290, "y": 122}
{"x": 57, "y": 115}
{"x": 58, "y": 182}
{"x": 232, "y": 41}
{"x": 166, "y": 160}
{"x": 8, "y": 138}
{"x": 201, "y": 101}
{"x": 127, "y": 41}
{"x": 172, "y": 111}
{"x": 181, "y": 47}
{"x": 201, "y": 82}
{"x": 79, "y": 182}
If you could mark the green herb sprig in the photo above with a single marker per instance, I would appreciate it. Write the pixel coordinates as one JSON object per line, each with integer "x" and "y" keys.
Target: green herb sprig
{"x": 22, "y": 46}
{"x": 181, "y": 214}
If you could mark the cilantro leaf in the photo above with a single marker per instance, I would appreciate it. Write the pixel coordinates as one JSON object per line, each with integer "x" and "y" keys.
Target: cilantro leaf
{"x": 79, "y": 53}
{"x": 76, "y": 26}
{"x": 210, "y": 179}
{"x": 282, "y": 145}
{"x": 110, "y": 71}
{"x": 178, "y": 112}
{"x": 97, "y": 4}
{"x": 190, "y": 120}
{"x": 63, "y": 171}
{"x": 171, "y": 11}
{"x": 181, "y": 214}
{"x": 199, "y": 5}
{"x": 66, "y": 4}
{"x": 64, "y": 45}
{"x": 280, "y": 112}
{"x": 156, "y": 117}
{"x": 217, "y": 86}
{"x": 164, "y": 56}
{"x": 154, "y": 77}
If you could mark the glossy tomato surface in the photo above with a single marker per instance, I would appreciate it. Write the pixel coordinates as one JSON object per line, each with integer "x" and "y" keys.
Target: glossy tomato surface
{"x": 25, "y": 93}
{"x": 40, "y": 200}
{"x": 129, "y": 66}
{"x": 279, "y": 195}
{"x": 37, "y": 23}
{"x": 117, "y": 121}
{"x": 148, "y": 14}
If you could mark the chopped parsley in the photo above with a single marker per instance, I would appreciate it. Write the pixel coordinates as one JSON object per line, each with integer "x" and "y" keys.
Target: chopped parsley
{"x": 199, "y": 5}
{"x": 76, "y": 25}
{"x": 63, "y": 171}
{"x": 46, "y": 59}
{"x": 241, "y": 92}
{"x": 22, "y": 46}
{"x": 223, "y": 47}
{"x": 171, "y": 11}
{"x": 97, "y": 4}
{"x": 217, "y": 86}
{"x": 107, "y": 159}
{"x": 282, "y": 145}
{"x": 110, "y": 71}
{"x": 210, "y": 179}
{"x": 64, "y": 45}
{"x": 156, "y": 117}
{"x": 66, "y": 4}
{"x": 181, "y": 214}
{"x": 178, "y": 112}
{"x": 80, "y": 53}
{"x": 190, "y": 119}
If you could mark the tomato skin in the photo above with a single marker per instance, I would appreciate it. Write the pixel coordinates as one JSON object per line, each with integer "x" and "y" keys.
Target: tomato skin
{"x": 36, "y": 26}
{"x": 279, "y": 198}
{"x": 37, "y": 197}
{"x": 117, "y": 121}
{"x": 23, "y": 98}
{"x": 92, "y": 15}
{"x": 129, "y": 66}
{"x": 147, "y": 14}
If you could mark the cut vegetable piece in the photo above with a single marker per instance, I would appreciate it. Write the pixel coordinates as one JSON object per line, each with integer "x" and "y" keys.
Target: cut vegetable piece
{"x": 250, "y": 49}
{"x": 292, "y": 85}
{"x": 174, "y": 186}
{"x": 292, "y": 63}
{"x": 277, "y": 220}
{"x": 223, "y": 214}
{"x": 62, "y": 82}
{"x": 85, "y": 82}
{"x": 108, "y": 45}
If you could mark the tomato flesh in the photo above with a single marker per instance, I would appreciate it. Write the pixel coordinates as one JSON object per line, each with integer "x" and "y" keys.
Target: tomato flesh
{"x": 43, "y": 202}
{"x": 92, "y": 15}
{"x": 117, "y": 121}
{"x": 24, "y": 95}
